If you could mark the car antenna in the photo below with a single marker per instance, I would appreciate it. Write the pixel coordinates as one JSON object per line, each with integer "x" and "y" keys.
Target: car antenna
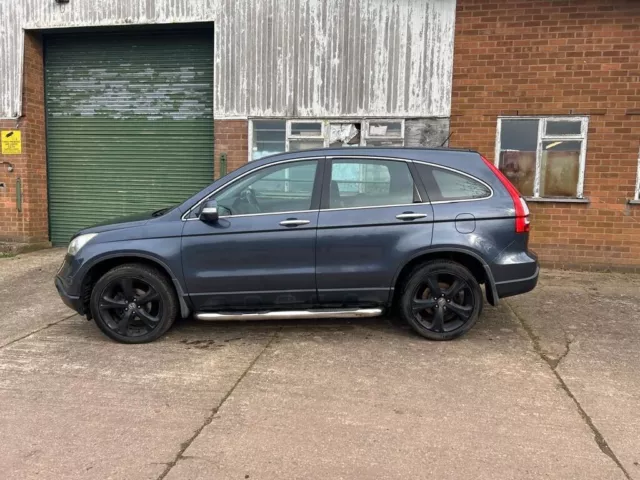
{"x": 446, "y": 140}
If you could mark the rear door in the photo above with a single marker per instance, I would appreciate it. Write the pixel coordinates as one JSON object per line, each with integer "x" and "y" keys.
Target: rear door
{"x": 372, "y": 217}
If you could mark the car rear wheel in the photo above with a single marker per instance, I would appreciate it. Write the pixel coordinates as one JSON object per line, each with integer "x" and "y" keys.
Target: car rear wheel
{"x": 441, "y": 300}
{"x": 133, "y": 304}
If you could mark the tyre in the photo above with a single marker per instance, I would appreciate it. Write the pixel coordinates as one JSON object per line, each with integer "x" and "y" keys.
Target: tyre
{"x": 441, "y": 300}
{"x": 133, "y": 303}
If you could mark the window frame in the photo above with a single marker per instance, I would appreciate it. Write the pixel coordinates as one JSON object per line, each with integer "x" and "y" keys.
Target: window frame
{"x": 541, "y": 138}
{"x": 326, "y": 130}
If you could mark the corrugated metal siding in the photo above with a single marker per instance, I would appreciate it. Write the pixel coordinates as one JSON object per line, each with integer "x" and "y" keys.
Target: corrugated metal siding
{"x": 324, "y": 58}
{"x": 335, "y": 58}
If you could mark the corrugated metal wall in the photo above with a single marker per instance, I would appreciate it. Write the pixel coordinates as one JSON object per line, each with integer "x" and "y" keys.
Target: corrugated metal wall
{"x": 323, "y": 58}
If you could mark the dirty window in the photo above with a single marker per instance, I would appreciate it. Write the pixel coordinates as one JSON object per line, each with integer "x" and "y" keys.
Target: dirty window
{"x": 269, "y": 138}
{"x": 384, "y": 133}
{"x": 543, "y": 157}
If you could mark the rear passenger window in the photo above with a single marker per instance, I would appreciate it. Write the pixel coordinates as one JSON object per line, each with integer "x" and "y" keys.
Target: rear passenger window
{"x": 370, "y": 183}
{"x": 446, "y": 185}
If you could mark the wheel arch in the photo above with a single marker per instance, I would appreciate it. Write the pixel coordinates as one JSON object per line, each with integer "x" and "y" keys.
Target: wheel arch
{"x": 103, "y": 264}
{"x": 476, "y": 265}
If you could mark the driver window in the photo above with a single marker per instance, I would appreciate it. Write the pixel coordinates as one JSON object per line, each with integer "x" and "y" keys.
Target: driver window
{"x": 281, "y": 188}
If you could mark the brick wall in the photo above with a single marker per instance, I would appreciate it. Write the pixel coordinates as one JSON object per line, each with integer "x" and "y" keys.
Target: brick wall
{"x": 30, "y": 225}
{"x": 231, "y": 137}
{"x": 560, "y": 57}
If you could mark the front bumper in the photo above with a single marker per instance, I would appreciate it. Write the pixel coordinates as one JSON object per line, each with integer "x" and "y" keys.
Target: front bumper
{"x": 71, "y": 301}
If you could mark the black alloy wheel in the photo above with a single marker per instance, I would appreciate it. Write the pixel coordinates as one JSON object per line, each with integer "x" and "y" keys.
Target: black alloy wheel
{"x": 441, "y": 300}
{"x": 133, "y": 304}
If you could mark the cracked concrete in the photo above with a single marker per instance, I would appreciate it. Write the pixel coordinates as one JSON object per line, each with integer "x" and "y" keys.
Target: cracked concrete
{"x": 553, "y": 364}
{"x": 545, "y": 386}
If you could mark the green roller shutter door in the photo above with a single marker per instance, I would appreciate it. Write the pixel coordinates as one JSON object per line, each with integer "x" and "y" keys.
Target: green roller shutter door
{"x": 129, "y": 124}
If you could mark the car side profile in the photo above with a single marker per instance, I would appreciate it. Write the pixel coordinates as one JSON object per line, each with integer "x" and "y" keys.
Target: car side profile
{"x": 313, "y": 234}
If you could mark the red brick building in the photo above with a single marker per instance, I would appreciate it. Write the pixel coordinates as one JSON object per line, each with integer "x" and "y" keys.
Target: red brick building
{"x": 550, "y": 59}
{"x": 549, "y": 90}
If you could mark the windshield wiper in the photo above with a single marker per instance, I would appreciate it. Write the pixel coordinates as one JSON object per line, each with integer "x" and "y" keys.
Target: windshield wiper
{"x": 162, "y": 211}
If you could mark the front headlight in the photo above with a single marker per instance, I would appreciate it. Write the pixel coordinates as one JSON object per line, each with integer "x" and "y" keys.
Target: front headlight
{"x": 79, "y": 242}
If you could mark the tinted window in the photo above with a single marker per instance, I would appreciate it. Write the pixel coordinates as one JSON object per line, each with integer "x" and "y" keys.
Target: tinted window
{"x": 366, "y": 183}
{"x": 446, "y": 185}
{"x": 281, "y": 188}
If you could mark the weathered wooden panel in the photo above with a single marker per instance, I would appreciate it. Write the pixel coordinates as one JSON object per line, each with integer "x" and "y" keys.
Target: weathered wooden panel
{"x": 316, "y": 58}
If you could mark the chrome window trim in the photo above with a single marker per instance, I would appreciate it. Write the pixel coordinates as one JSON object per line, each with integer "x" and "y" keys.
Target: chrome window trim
{"x": 372, "y": 206}
{"x": 188, "y": 212}
{"x": 259, "y": 214}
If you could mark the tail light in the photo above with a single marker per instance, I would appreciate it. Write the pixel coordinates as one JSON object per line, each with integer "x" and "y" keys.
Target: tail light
{"x": 522, "y": 210}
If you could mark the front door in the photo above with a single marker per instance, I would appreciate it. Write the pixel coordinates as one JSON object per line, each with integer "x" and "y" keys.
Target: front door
{"x": 372, "y": 218}
{"x": 261, "y": 252}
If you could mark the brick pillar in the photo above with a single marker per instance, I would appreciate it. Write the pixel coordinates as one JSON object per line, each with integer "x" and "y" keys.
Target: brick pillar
{"x": 231, "y": 137}
{"x": 30, "y": 225}
{"x": 35, "y": 205}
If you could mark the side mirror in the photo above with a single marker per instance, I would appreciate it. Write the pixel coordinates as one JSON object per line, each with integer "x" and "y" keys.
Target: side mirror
{"x": 209, "y": 211}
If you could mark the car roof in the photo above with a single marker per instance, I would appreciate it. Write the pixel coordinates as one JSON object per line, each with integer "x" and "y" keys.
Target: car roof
{"x": 409, "y": 153}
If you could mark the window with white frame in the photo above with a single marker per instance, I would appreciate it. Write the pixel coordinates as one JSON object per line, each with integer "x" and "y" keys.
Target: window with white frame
{"x": 270, "y": 136}
{"x": 544, "y": 157}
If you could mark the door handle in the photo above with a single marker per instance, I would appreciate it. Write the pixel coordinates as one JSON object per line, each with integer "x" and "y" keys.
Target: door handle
{"x": 410, "y": 216}
{"x": 294, "y": 223}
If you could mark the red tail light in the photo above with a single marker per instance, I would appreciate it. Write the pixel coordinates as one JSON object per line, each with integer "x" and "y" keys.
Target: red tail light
{"x": 522, "y": 210}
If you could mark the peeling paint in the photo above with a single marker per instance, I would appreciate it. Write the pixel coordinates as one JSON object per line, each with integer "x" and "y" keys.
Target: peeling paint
{"x": 281, "y": 58}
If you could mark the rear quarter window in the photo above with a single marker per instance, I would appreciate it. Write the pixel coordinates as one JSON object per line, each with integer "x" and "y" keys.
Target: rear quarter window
{"x": 448, "y": 185}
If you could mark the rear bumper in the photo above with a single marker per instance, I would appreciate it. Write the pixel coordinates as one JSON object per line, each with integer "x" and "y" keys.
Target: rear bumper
{"x": 71, "y": 301}
{"x": 517, "y": 286}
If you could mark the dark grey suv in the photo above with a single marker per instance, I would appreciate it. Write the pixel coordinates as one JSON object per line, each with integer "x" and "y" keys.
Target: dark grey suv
{"x": 314, "y": 234}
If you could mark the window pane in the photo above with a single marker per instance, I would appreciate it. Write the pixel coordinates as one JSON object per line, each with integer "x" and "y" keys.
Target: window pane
{"x": 520, "y": 135}
{"x": 520, "y": 169}
{"x": 268, "y": 138}
{"x": 560, "y": 169}
{"x": 365, "y": 183}
{"x": 447, "y": 185}
{"x": 562, "y": 128}
{"x": 295, "y": 145}
{"x": 281, "y": 188}
{"x": 518, "y": 144}
{"x": 306, "y": 129}
{"x": 384, "y": 129}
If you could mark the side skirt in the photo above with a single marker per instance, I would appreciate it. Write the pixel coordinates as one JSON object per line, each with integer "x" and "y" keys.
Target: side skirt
{"x": 291, "y": 314}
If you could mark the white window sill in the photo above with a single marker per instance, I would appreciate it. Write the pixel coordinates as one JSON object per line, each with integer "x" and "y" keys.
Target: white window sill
{"x": 633, "y": 202}
{"x": 557, "y": 200}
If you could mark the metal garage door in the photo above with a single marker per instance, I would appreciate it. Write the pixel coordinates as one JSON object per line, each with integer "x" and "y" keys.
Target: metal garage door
{"x": 129, "y": 123}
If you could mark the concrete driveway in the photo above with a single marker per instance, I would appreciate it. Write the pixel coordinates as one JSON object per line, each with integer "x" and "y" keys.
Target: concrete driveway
{"x": 545, "y": 386}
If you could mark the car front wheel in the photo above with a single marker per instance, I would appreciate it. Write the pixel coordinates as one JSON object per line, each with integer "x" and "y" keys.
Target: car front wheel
{"x": 133, "y": 303}
{"x": 441, "y": 300}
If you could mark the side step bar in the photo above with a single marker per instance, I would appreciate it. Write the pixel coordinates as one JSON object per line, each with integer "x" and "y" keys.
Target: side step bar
{"x": 291, "y": 314}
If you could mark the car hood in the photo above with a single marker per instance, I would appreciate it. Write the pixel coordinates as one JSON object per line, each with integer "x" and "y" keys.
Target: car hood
{"x": 135, "y": 220}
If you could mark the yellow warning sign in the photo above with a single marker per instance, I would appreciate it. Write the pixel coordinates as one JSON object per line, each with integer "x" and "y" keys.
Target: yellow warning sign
{"x": 11, "y": 142}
